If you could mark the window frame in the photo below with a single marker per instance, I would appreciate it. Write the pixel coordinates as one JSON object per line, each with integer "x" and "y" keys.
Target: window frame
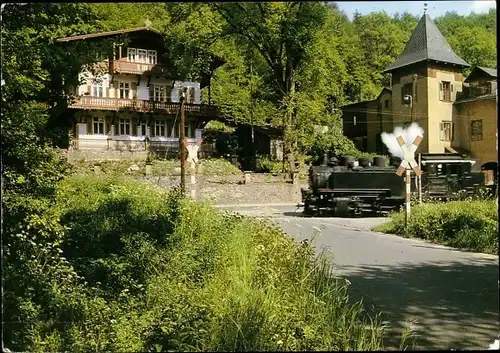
{"x": 442, "y": 130}
{"x": 152, "y": 54}
{"x": 406, "y": 92}
{"x": 476, "y": 137}
{"x": 124, "y": 126}
{"x": 144, "y": 54}
{"x": 140, "y": 127}
{"x": 444, "y": 88}
{"x": 100, "y": 123}
{"x": 188, "y": 95}
{"x": 159, "y": 124}
{"x": 97, "y": 88}
{"x": 122, "y": 88}
{"x": 131, "y": 54}
{"x": 159, "y": 91}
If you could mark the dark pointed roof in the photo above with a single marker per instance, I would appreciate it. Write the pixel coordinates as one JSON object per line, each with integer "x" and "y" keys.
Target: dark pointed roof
{"x": 426, "y": 43}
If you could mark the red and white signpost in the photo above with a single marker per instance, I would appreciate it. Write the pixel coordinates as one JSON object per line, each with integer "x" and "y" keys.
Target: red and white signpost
{"x": 407, "y": 165}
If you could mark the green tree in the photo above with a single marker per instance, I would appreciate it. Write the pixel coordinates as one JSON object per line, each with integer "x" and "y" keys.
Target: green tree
{"x": 33, "y": 102}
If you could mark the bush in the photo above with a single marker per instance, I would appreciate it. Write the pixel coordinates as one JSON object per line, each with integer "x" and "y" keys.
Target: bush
{"x": 120, "y": 265}
{"x": 161, "y": 167}
{"x": 265, "y": 165}
{"x": 468, "y": 225}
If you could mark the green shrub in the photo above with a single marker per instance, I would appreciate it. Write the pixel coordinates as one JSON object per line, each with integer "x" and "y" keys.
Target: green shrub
{"x": 120, "y": 265}
{"x": 469, "y": 225}
{"x": 161, "y": 167}
{"x": 265, "y": 165}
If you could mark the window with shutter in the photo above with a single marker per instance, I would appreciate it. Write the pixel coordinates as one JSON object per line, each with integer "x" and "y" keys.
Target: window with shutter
{"x": 133, "y": 87}
{"x": 441, "y": 91}
{"x": 446, "y": 131}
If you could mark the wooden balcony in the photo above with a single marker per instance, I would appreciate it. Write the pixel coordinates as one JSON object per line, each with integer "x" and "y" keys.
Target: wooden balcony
{"x": 477, "y": 91}
{"x": 127, "y": 67}
{"x": 137, "y": 105}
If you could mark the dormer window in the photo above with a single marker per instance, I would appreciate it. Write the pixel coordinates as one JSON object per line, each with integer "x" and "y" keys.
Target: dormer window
{"x": 142, "y": 56}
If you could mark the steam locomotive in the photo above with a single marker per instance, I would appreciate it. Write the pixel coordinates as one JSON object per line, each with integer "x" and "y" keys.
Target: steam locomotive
{"x": 348, "y": 187}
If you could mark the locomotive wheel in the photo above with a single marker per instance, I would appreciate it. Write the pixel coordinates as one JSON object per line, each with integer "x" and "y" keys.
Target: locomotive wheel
{"x": 307, "y": 210}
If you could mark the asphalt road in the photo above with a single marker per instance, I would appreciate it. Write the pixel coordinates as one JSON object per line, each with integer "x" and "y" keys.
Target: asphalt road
{"x": 452, "y": 295}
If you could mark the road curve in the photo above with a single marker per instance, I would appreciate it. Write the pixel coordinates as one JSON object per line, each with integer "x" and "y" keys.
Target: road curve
{"x": 452, "y": 295}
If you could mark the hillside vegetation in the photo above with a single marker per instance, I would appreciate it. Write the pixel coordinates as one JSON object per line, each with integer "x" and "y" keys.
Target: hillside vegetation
{"x": 117, "y": 265}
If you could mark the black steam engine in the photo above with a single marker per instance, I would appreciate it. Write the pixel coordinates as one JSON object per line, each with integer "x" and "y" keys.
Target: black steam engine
{"x": 350, "y": 187}
{"x": 347, "y": 187}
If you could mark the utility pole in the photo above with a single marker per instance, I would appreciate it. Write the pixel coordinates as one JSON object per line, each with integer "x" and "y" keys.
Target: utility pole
{"x": 407, "y": 164}
{"x": 418, "y": 178}
{"x": 252, "y": 102}
{"x": 182, "y": 148}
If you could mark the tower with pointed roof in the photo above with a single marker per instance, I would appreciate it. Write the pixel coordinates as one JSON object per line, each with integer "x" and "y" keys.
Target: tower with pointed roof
{"x": 425, "y": 80}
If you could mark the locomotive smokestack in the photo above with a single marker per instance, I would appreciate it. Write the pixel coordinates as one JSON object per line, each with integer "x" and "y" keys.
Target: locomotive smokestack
{"x": 325, "y": 159}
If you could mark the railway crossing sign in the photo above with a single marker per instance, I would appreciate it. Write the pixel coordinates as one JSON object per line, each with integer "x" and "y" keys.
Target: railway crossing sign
{"x": 192, "y": 151}
{"x": 409, "y": 156}
{"x": 192, "y": 158}
{"x": 407, "y": 165}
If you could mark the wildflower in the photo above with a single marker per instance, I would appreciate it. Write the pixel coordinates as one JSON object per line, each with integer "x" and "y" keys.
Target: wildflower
{"x": 280, "y": 342}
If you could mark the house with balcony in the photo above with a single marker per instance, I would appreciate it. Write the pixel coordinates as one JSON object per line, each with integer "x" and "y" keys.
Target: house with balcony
{"x": 133, "y": 104}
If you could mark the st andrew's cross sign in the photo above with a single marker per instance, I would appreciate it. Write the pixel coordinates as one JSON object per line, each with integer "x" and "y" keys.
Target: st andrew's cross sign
{"x": 409, "y": 156}
{"x": 407, "y": 165}
{"x": 192, "y": 158}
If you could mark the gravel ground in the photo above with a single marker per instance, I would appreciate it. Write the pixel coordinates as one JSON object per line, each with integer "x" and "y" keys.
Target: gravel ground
{"x": 263, "y": 189}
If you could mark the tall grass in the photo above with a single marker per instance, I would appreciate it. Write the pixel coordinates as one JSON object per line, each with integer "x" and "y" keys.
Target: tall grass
{"x": 156, "y": 272}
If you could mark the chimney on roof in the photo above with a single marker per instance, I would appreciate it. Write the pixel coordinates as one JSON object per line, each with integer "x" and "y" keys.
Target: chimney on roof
{"x": 425, "y": 8}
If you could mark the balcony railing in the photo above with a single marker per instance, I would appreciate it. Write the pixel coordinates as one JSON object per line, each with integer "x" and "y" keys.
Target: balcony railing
{"x": 127, "y": 67}
{"x": 116, "y": 104}
{"x": 476, "y": 91}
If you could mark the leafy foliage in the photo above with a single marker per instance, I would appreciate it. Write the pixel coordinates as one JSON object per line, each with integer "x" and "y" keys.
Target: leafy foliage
{"x": 116, "y": 264}
{"x": 471, "y": 225}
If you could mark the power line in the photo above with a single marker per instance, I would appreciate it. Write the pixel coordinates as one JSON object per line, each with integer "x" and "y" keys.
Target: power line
{"x": 391, "y": 113}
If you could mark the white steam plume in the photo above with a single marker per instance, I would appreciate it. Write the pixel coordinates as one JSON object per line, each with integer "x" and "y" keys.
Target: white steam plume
{"x": 409, "y": 134}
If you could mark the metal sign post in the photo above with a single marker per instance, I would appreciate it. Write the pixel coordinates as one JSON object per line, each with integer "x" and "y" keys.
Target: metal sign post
{"x": 407, "y": 165}
{"x": 192, "y": 158}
